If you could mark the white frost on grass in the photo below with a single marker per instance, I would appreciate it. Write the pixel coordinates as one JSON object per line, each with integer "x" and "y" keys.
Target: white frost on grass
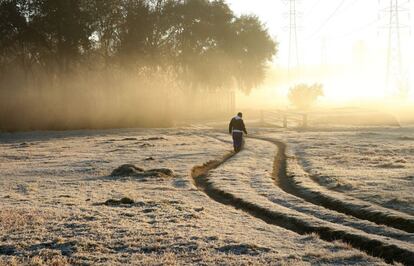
{"x": 248, "y": 176}
{"x": 373, "y": 164}
{"x": 53, "y": 184}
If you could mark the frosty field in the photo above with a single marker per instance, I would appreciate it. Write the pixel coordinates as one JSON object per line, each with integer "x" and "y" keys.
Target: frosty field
{"x": 376, "y": 165}
{"x": 327, "y": 197}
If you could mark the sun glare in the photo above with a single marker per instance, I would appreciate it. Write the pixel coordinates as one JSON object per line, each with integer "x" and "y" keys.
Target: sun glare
{"x": 346, "y": 43}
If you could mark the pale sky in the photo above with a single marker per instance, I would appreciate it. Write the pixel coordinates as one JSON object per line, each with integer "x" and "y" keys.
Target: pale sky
{"x": 337, "y": 32}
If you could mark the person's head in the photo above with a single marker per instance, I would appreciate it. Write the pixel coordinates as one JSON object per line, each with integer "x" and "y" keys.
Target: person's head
{"x": 239, "y": 114}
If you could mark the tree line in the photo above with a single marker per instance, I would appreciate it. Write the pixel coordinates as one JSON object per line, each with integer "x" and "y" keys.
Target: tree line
{"x": 197, "y": 44}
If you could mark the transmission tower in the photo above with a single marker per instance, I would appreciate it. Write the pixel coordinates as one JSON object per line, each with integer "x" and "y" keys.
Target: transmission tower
{"x": 293, "y": 14}
{"x": 396, "y": 75}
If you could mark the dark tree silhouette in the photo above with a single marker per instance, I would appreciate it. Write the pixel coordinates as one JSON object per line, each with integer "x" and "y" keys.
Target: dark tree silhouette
{"x": 201, "y": 56}
{"x": 106, "y": 24}
{"x": 17, "y": 40}
{"x": 64, "y": 28}
{"x": 60, "y": 49}
{"x": 200, "y": 40}
{"x": 252, "y": 48}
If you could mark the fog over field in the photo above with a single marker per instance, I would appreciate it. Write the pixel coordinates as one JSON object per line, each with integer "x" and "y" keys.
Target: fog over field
{"x": 206, "y": 132}
{"x": 100, "y": 64}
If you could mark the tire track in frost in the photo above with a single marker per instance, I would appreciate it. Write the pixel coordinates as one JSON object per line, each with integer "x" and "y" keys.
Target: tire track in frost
{"x": 372, "y": 246}
{"x": 358, "y": 208}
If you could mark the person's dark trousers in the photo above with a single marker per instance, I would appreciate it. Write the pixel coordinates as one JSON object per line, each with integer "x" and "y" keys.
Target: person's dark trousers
{"x": 237, "y": 141}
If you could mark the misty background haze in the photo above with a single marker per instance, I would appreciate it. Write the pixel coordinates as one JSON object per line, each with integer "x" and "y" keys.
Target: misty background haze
{"x": 98, "y": 64}
{"x": 341, "y": 43}
{"x": 89, "y": 63}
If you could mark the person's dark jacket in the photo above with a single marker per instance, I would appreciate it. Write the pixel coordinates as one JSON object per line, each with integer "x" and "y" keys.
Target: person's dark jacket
{"x": 237, "y": 124}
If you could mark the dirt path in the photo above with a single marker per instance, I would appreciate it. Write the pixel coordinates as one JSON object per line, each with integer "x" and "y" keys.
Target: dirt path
{"x": 300, "y": 187}
{"x": 296, "y": 221}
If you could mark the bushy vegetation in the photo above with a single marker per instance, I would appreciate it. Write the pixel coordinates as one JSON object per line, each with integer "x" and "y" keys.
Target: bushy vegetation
{"x": 304, "y": 96}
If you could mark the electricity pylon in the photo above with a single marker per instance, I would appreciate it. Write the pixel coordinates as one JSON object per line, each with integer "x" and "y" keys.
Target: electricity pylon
{"x": 396, "y": 73}
{"x": 293, "y": 56}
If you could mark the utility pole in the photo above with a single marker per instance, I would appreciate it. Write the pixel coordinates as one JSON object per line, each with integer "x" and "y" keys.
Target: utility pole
{"x": 396, "y": 73}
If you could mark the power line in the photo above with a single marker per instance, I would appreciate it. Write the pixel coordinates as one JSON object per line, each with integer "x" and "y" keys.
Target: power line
{"x": 356, "y": 30}
{"x": 327, "y": 20}
{"x": 309, "y": 11}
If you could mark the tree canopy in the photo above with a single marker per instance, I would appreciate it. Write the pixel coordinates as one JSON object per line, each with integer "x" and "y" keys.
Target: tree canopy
{"x": 201, "y": 42}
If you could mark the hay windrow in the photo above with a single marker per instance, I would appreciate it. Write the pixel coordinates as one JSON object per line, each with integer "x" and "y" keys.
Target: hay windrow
{"x": 130, "y": 170}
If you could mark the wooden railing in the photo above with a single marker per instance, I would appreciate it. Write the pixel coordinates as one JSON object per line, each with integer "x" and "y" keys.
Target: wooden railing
{"x": 285, "y": 118}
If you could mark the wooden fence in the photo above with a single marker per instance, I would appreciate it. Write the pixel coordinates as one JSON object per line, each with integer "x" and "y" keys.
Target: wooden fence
{"x": 284, "y": 118}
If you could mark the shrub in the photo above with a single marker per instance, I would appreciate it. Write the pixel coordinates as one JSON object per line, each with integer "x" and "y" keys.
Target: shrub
{"x": 303, "y": 96}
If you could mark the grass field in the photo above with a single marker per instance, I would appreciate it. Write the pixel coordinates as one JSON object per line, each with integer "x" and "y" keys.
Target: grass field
{"x": 61, "y": 205}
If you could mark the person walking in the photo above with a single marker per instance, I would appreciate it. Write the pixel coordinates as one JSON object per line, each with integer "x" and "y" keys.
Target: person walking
{"x": 236, "y": 128}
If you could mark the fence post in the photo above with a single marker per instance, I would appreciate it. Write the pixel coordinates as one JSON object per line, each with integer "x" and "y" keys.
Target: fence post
{"x": 284, "y": 121}
{"x": 305, "y": 120}
{"x": 261, "y": 117}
